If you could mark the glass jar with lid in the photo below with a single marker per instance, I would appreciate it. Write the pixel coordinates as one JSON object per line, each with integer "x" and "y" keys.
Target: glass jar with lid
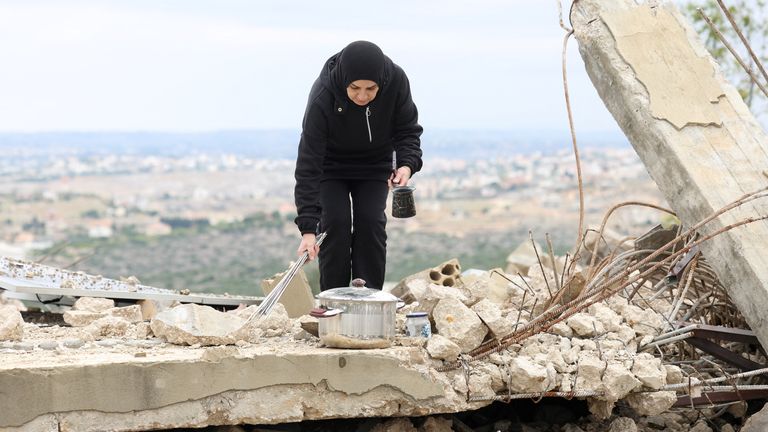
{"x": 417, "y": 325}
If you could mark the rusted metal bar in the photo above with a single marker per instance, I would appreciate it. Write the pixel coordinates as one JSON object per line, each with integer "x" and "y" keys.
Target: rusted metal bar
{"x": 717, "y": 351}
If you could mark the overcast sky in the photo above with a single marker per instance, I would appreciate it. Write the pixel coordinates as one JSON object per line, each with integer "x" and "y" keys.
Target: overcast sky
{"x": 193, "y": 65}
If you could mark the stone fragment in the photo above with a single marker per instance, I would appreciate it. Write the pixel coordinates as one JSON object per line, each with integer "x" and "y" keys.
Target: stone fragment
{"x": 11, "y": 323}
{"x": 297, "y": 297}
{"x": 701, "y": 426}
{"x": 602, "y": 409}
{"x": 132, "y": 313}
{"x": 522, "y": 258}
{"x": 674, "y": 374}
{"x": 48, "y": 345}
{"x": 649, "y": 371}
{"x": 643, "y": 321}
{"x": 589, "y": 372}
{"x": 23, "y": 346}
{"x": 149, "y": 308}
{"x": 656, "y": 422}
{"x": 618, "y": 382}
{"x": 623, "y": 424}
{"x": 13, "y": 302}
{"x": 93, "y": 304}
{"x": 142, "y": 330}
{"x": 81, "y": 318}
{"x": 585, "y": 325}
{"x": 476, "y": 289}
{"x": 570, "y": 427}
{"x": 606, "y": 316}
{"x": 561, "y": 329}
{"x": 275, "y": 324}
{"x": 653, "y": 403}
{"x": 73, "y": 343}
{"x": 109, "y": 326}
{"x": 727, "y": 428}
{"x": 491, "y": 315}
{"x": 459, "y": 324}
{"x": 738, "y": 410}
{"x": 480, "y": 383}
{"x": 440, "y": 347}
{"x": 434, "y": 293}
{"x": 529, "y": 377}
{"x": 192, "y": 324}
{"x": 757, "y": 422}
{"x": 436, "y": 424}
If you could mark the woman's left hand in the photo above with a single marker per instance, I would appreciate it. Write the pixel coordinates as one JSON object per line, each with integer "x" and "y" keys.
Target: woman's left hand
{"x": 400, "y": 177}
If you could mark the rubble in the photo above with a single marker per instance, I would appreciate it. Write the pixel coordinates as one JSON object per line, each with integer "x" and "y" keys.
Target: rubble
{"x": 458, "y": 323}
{"x": 192, "y": 324}
{"x": 11, "y": 323}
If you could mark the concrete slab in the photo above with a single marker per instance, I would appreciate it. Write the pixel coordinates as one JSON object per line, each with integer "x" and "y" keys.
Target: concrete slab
{"x": 140, "y": 388}
{"x": 695, "y": 135}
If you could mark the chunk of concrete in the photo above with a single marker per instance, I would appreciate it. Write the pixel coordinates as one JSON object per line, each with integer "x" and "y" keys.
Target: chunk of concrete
{"x": 491, "y": 315}
{"x": 458, "y": 323}
{"x": 275, "y": 324}
{"x": 585, "y": 325}
{"x": 589, "y": 372}
{"x": 610, "y": 320}
{"x": 529, "y": 377}
{"x": 653, "y": 403}
{"x": 674, "y": 374}
{"x": 618, "y": 382}
{"x": 132, "y": 313}
{"x": 436, "y": 424}
{"x": 643, "y": 321}
{"x": 395, "y": 425}
{"x": 109, "y": 326}
{"x": 297, "y": 298}
{"x": 11, "y": 323}
{"x": 434, "y": 293}
{"x": 440, "y": 347}
{"x": 649, "y": 371}
{"x": 623, "y": 424}
{"x": 757, "y": 422}
{"x": 82, "y": 318}
{"x": 93, "y": 304}
{"x": 192, "y": 324}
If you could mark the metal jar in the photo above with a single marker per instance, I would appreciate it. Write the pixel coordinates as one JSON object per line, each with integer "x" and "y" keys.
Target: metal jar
{"x": 356, "y": 317}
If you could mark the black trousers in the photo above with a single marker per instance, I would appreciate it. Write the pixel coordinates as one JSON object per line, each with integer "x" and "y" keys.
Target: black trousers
{"x": 355, "y": 220}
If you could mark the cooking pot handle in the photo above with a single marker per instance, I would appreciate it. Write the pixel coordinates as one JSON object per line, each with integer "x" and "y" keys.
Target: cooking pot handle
{"x": 324, "y": 313}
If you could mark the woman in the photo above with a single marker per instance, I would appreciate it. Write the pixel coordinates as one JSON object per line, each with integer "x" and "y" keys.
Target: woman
{"x": 359, "y": 111}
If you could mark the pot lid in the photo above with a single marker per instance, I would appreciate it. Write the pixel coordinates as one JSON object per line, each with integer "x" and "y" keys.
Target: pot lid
{"x": 357, "y": 295}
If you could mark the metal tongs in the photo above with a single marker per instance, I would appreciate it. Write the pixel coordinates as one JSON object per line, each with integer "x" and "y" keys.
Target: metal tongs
{"x": 269, "y": 301}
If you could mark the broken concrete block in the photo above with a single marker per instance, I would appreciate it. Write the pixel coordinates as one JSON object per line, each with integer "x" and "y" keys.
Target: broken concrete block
{"x": 757, "y": 422}
{"x": 491, "y": 315}
{"x": 674, "y": 374}
{"x": 644, "y": 322}
{"x": 440, "y": 347}
{"x": 12, "y": 302}
{"x": 275, "y": 324}
{"x": 500, "y": 289}
{"x": 93, "y": 304}
{"x": 149, "y": 308}
{"x": 132, "y": 313}
{"x": 653, "y": 403}
{"x": 585, "y": 325}
{"x": 436, "y": 424}
{"x": 109, "y": 326}
{"x": 476, "y": 288}
{"x": 529, "y": 377}
{"x": 458, "y": 323}
{"x": 192, "y": 324}
{"x": 480, "y": 383}
{"x": 412, "y": 288}
{"x": 623, "y": 424}
{"x": 11, "y": 323}
{"x": 611, "y": 320}
{"x": 447, "y": 274}
{"x": 297, "y": 297}
{"x": 701, "y": 426}
{"x": 618, "y": 382}
{"x": 589, "y": 372}
{"x": 649, "y": 371}
{"x": 434, "y": 293}
{"x": 599, "y": 408}
{"x": 522, "y": 259}
{"x": 561, "y": 329}
{"x": 81, "y": 318}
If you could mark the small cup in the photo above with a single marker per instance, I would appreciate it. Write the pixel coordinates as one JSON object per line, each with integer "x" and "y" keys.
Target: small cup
{"x": 403, "y": 205}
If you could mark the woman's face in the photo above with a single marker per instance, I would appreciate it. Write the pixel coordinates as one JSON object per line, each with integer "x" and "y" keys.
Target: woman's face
{"x": 362, "y": 92}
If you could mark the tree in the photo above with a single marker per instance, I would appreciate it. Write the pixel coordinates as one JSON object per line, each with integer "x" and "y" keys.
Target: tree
{"x": 750, "y": 16}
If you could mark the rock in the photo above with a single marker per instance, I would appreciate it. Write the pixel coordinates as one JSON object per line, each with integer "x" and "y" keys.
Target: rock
{"x": 412, "y": 287}
{"x": 656, "y": 422}
{"x": 109, "y": 326}
{"x": 618, "y": 382}
{"x": 142, "y": 330}
{"x": 644, "y": 322}
{"x": 23, "y": 346}
{"x": 149, "y": 308}
{"x": 13, "y": 302}
{"x": 132, "y": 313}
{"x": 606, "y": 316}
{"x": 757, "y": 422}
{"x": 585, "y": 325}
{"x": 727, "y": 428}
{"x": 571, "y": 428}
{"x": 192, "y": 324}
{"x": 82, "y": 318}
{"x": 623, "y": 424}
{"x": 480, "y": 383}
{"x": 402, "y": 424}
{"x": 653, "y": 403}
{"x": 93, "y": 304}
{"x": 649, "y": 371}
{"x": 277, "y": 323}
{"x": 297, "y": 298}
{"x": 589, "y": 372}
{"x": 522, "y": 258}
{"x": 436, "y": 424}
{"x": 674, "y": 374}
{"x": 11, "y": 323}
{"x": 601, "y": 409}
{"x": 491, "y": 315}
{"x": 529, "y": 377}
{"x": 738, "y": 409}
{"x": 459, "y": 324}
{"x": 434, "y": 293}
{"x": 476, "y": 290}
{"x": 440, "y": 347}
{"x": 561, "y": 329}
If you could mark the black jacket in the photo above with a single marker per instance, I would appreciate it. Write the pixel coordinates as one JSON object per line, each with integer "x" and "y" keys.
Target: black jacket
{"x": 341, "y": 140}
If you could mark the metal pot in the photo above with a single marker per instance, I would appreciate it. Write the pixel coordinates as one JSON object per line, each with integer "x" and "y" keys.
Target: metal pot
{"x": 356, "y": 317}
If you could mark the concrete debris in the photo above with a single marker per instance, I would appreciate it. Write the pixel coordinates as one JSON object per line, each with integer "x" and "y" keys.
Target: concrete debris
{"x": 649, "y": 371}
{"x": 623, "y": 424}
{"x": 522, "y": 259}
{"x": 618, "y": 382}
{"x": 585, "y": 325}
{"x": 109, "y": 326}
{"x": 132, "y": 313}
{"x": 491, "y": 315}
{"x": 440, "y": 347}
{"x": 652, "y": 403}
{"x": 529, "y": 377}
{"x": 297, "y": 298}
{"x": 93, "y": 304}
{"x": 277, "y": 323}
{"x": 434, "y": 293}
{"x": 458, "y": 323}
{"x": 757, "y": 422}
{"x": 84, "y": 317}
{"x": 11, "y": 323}
{"x": 436, "y": 424}
{"x": 411, "y": 288}
{"x": 192, "y": 324}
{"x": 395, "y": 425}
{"x": 12, "y": 302}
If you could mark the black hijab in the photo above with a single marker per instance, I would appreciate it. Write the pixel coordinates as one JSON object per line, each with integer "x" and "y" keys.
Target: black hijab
{"x": 360, "y": 60}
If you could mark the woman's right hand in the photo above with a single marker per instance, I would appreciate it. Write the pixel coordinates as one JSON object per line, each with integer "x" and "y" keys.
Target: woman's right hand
{"x": 309, "y": 244}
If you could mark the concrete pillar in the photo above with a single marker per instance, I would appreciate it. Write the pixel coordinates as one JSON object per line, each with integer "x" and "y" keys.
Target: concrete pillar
{"x": 695, "y": 135}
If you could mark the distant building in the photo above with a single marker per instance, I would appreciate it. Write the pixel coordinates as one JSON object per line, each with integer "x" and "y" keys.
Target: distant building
{"x": 99, "y": 228}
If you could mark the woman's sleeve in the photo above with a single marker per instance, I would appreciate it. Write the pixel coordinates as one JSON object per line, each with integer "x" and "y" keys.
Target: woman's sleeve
{"x": 407, "y": 139}
{"x": 309, "y": 169}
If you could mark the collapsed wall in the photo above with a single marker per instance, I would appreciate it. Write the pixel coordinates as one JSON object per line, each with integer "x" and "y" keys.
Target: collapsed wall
{"x": 697, "y": 138}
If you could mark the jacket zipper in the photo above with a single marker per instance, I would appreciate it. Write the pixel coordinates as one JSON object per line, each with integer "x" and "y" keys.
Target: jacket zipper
{"x": 368, "y": 122}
